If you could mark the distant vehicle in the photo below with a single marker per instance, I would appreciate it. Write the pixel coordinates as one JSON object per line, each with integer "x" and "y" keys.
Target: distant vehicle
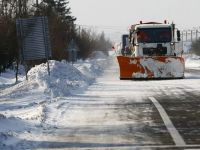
{"x": 151, "y": 52}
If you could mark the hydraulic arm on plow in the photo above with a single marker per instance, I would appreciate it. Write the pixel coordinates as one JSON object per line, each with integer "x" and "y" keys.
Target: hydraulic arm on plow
{"x": 150, "y": 52}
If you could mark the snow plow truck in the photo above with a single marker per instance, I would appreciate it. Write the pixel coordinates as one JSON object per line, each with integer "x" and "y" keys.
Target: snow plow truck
{"x": 150, "y": 52}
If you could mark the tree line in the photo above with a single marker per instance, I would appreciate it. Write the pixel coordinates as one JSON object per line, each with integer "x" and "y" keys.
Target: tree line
{"x": 195, "y": 47}
{"x": 62, "y": 29}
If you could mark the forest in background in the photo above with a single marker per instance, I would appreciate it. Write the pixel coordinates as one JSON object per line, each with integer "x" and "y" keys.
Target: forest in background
{"x": 195, "y": 47}
{"x": 62, "y": 29}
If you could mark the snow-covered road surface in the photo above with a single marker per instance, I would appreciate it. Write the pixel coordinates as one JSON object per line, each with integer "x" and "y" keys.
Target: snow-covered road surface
{"x": 110, "y": 114}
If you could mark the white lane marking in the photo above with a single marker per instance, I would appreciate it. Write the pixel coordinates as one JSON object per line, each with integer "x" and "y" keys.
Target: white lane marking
{"x": 193, "y": 149}
{"x": 186, "y": 147}
{"x": 178, "y": 140}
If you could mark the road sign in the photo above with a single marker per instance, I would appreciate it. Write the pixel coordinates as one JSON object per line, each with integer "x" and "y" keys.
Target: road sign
{"x": 34, "y": 38}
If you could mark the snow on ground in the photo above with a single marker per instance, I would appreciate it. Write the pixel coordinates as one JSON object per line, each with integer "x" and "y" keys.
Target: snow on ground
{"x": 63, "y": 78}
{"x": 30, "y": 108}
{"x": 8, "y": 77}
{"x": 23, "y": 106}
{"x": 192, "y": 61}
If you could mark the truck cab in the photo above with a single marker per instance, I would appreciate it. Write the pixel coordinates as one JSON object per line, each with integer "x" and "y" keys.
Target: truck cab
{"x": 153, "y": 39}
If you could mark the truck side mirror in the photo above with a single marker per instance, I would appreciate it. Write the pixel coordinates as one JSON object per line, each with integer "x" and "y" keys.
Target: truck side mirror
{"x": 178, "y": 35}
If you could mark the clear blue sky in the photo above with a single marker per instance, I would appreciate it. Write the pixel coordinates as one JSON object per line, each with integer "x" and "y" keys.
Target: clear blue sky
{"x": 184, "y": 13}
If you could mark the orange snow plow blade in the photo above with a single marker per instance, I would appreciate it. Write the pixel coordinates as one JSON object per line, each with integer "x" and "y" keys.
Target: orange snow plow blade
{"x": 156, "y": 67}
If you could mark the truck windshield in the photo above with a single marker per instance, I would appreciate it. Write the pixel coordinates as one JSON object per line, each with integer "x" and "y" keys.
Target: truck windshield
{"x": 154, "y": 35}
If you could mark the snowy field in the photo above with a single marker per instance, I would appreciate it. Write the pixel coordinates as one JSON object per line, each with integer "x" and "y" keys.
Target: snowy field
{"x": 29, "y": 108}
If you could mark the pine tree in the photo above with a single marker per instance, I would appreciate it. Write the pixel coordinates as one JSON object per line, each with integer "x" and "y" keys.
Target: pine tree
{"x": 59, "y": 8}
{"x": 64, "y": 12}
{"x": 50, "y": 3}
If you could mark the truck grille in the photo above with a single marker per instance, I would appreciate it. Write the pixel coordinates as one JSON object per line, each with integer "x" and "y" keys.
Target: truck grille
{"x": 159, "y": 51}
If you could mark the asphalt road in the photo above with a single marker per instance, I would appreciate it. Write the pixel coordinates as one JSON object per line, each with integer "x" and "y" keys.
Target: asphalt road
{"x": 115, "y": 114}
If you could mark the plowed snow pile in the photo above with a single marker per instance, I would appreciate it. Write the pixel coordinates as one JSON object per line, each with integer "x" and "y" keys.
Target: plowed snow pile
{"x": 29, "y": 106}
{"x": 62, "y": 80}
{"x": 65, "y": 78}
{"x": 192, "y": 61}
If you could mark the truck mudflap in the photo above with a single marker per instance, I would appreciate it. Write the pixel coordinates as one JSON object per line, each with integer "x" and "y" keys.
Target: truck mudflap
{"x": 155, "y": 67}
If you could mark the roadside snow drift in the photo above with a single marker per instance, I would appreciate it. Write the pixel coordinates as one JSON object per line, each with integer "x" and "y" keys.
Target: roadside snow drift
{"x": 192, "y": 61}
{"x": 65, "y": 78}
{"x": 28, "y": 107}
{"x": 62, "y": 80}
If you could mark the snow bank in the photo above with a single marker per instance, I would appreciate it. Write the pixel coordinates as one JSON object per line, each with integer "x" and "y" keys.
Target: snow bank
{"x": 192, "y": 61}
{"x": 26, "y": 106}
{"x": 8, "y": 77}
{"x": 64, "y": 78}
{"x": 91, "y": 68}
{"x": 8, "y": 124}
{"x": 9, "y": 129}
{"x": 98, "y": 55}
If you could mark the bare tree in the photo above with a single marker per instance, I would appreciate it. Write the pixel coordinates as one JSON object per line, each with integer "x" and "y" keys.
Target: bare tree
{"x": 195, "y": 48}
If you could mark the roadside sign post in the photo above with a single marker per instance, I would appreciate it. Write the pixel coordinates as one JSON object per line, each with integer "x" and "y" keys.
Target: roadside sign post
{"x": 34, "y": 43}
{"x": 72, "y": 49}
